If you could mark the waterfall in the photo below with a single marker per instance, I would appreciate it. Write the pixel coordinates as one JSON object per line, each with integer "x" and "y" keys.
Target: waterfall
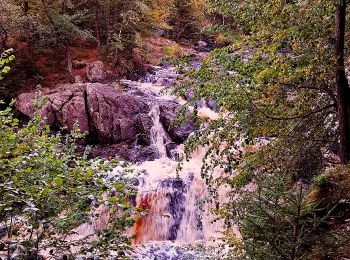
{"x": 173, "y": 203}
{"x": 172, "y": 199}
{"x": 158, "y": 135}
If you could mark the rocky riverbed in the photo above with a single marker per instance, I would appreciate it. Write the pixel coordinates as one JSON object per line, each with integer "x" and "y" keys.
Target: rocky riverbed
{"x": 135, "y": 121}
{"x": 118, "y": 117}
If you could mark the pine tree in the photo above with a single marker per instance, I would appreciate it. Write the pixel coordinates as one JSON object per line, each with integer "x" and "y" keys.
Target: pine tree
{"x": 184, "y": 21}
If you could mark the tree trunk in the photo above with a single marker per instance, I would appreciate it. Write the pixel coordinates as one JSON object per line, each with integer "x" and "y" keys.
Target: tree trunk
{"x": 4, "y": 37}
{"x": 29, "y": 28}
{"x": 25, "y": 7}
{"x": 108, "y": 23}
{"x": 47, "y": 13}
{"x": 343, "y": 92}
{"x": 63, "y": 6}
{"x": 70, "y": 62}
{"x": 97, "y": 21}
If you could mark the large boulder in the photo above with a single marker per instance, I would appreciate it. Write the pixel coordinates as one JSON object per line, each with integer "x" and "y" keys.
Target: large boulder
{"x": 66, "y": 108}
{"x": 96, "y": 71}
{"x": 109, "y": 115}
{"x": 25, "y": 103}
{"x": 117, "y": 116}
{"x": 117, "y": 122}
{"x": 168, "y": 114}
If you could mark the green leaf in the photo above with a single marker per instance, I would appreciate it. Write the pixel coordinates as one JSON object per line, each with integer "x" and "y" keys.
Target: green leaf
{"x": 112, "y": 200}
{"x": 58, "y": 181}
{"x": 119, "y": 187}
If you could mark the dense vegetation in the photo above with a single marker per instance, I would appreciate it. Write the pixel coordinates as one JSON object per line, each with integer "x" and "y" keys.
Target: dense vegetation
{"x": 48, "y": 35}
{"x": 283, "y": 127}
{"x": 47, "y": 189}
{"x": 282, "y": 138}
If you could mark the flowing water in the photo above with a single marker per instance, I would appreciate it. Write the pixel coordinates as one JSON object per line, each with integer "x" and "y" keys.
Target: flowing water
{"x": 178, "y": 224}
{"x": 177, "y": 216}
{"x": 159, "y": 137}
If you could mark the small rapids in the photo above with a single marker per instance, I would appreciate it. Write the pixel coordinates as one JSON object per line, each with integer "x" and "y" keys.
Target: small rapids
{"x": 167, "y": 250}
{"x": 158, "y": 135}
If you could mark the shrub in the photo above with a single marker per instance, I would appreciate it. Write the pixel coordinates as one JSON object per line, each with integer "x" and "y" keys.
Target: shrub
{"x": 49, "y": 189}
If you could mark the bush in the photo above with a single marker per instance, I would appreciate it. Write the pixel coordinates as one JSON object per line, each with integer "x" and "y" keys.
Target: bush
{"x": 46, "y": 189}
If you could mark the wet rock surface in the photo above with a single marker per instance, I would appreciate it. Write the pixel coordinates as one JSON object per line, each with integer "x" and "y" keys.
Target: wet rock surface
{"x": 168, "y": 114}
{"x": 119, "y": 121}
{"x": 176, "y": 205}
{"x": 108, "y": 115}
{"x": 160, "y": 76}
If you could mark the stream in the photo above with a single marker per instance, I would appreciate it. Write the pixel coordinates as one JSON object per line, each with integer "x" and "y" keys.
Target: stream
{"x": 178, "y": 223}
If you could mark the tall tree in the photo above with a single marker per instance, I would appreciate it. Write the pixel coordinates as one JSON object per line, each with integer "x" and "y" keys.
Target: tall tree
{"x": 284, "y": 99}
{"x": 97, "y": 23}
{"x": 343, "y": 91}
{"x": 184, "y": 21}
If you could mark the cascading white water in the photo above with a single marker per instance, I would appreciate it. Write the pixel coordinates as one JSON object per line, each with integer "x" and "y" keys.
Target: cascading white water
{"x": 158, "y": 135}
{"x": 177, "y": 216}
{"x": 171, "y": 198}
{"x": 173, "y": 203}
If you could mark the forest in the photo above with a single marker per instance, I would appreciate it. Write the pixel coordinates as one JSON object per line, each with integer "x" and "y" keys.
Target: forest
{"x": 174, "y": 129}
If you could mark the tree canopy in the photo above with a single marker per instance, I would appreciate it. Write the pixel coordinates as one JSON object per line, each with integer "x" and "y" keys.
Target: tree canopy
{"x": 278, "y": 129}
